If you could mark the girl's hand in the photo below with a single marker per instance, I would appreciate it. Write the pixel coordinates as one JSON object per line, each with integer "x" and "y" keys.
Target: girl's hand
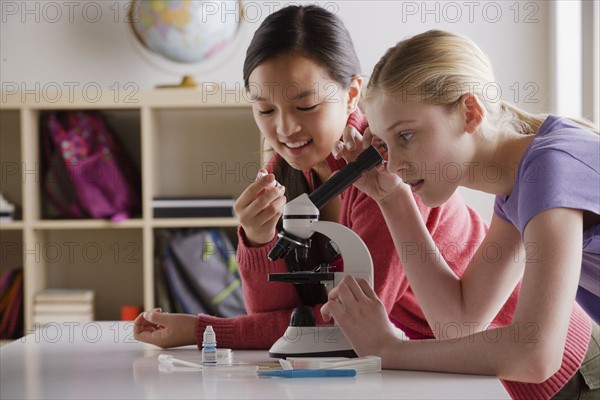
{"x": 378, "y": 183}
{"x": 165, "y": 330}
{"x": 361, "y": 315}
{"x": 259, "y": 208}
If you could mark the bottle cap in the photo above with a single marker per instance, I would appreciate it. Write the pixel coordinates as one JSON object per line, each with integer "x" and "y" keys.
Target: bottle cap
{"x": 224, "y": 356}
{"x": 209, "y": 338}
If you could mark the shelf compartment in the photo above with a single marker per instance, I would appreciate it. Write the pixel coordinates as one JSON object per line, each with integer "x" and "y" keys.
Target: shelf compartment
{"x": 11, "y": 250}
{"x": 108, "y": 261}
{"x": 126, "y": 126}
{"x": 204, "y": 151}
{"x": 12, "y": 166}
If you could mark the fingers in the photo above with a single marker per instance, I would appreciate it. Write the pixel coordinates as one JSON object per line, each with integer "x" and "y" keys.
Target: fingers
{"x": 268, "y": 206}
{"x": 352, "y": 139}
{"x": 368, "y": 135}
{"x": 156, "y": 317}
{"x": 367, "y": 138}
{"x": 332, "y": 309}
{"x": 352, "y": 143}
{"x": 344, "y": 297}
{"x": 377, "y": 143}
{"x": 355, "y": 288}
{"x": 347, "y": 295}
{"x": 338, "y": 150}
{"x": 148, "y": 326}
{"x": 366, "y": 289}
{"x": 264, "y": 182}
{"x": 263, "y": 199}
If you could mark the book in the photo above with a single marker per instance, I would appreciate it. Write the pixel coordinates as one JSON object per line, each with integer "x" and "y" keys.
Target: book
{"x": 64, "y": 295}
{"x": 63, "y": 305}
{"x": 63, "y": 308}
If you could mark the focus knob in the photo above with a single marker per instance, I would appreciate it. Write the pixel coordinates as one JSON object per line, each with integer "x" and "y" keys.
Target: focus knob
{"x": 302, "y": 316}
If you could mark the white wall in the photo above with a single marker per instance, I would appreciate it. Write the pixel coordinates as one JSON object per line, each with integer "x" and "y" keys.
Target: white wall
{"x": 77, "y": 45}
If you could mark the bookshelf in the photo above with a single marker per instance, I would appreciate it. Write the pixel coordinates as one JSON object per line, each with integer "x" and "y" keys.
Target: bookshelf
{"x": 184, "y": 143}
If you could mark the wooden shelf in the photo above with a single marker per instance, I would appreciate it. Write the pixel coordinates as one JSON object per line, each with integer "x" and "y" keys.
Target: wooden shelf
{"x": 10, "y": 226}
{"x": 168, "y": 98}
{"x": 194, "y": 222}
{"x": 87, "y": 224}
{"x": 185, "y": 142}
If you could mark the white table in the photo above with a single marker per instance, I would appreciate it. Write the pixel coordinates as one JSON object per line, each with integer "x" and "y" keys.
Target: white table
{"x": 101, "y": 360}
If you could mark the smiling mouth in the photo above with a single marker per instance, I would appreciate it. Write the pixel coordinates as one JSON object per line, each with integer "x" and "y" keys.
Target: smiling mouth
{"x": 297, "y": 145}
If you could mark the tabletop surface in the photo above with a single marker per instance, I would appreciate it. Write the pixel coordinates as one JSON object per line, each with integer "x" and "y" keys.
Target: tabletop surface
{"x": 101, "y": 360}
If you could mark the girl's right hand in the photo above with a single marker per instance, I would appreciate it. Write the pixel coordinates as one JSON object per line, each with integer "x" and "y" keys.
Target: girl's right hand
{"x": 259, "y": 208}
{"x": 378, "y": 183}
{"x": 165, "y": 330}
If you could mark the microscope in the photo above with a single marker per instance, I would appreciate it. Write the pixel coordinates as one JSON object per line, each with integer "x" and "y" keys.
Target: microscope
{"x": 302, "y": 337}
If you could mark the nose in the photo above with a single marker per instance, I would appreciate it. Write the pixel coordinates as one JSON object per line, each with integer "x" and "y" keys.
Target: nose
{"x": 393, "y": 165}
{"x": 397, "y": 166}
{"x": 287, "y": 124}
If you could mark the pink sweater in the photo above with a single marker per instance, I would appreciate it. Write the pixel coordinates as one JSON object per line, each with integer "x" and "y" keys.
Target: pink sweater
{"x": 456, "y": 229}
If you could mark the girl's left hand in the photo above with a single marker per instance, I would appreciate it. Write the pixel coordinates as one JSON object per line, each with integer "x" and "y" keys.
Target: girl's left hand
{"x": 378, "y": 183}
{"x": 361, "y": 315}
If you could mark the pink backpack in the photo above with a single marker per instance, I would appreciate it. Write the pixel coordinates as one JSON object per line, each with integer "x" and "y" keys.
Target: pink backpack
{"x": 88, "y": 174}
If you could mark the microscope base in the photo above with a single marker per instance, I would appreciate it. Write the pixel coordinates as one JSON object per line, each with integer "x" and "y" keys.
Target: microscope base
{"x": 312, "y": 341}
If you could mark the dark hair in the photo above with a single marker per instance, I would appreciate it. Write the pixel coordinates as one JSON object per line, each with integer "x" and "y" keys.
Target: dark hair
{"x": 308, "y": 30}
{"x": 321, "y": 36}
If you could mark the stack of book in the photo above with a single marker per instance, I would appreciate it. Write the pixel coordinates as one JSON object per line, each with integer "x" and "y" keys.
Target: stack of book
{"x": 63, "y": 305}
{"x": 11, "y": 304}
{"x": 192, "y": 207}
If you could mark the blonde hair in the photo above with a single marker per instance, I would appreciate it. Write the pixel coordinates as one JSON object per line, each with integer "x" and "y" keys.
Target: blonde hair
{"x": 438, "y": 67}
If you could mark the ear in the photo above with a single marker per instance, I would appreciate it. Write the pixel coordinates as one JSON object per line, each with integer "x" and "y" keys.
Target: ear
{"x": 473, "y": 112}
{"x": 354, "y": 93}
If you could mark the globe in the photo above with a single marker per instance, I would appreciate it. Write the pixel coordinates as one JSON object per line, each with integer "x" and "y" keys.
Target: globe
{"x": 189, "y": 31}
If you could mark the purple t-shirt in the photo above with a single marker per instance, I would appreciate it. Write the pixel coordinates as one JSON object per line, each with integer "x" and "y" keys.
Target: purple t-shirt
{"x": 561, "y": 169}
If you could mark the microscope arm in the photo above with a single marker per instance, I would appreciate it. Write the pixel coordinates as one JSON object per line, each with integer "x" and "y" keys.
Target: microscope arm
{"x": 357, "y": 261}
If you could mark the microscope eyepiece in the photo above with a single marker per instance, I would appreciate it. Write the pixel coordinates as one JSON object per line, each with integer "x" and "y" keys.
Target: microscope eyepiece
{"x": 345, "y": 177}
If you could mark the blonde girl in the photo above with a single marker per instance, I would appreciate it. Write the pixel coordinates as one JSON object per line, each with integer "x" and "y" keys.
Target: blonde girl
{"x": 429, "y": 101}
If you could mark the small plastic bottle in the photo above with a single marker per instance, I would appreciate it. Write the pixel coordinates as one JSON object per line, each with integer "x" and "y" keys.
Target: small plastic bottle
{"x": 209, "y": 347}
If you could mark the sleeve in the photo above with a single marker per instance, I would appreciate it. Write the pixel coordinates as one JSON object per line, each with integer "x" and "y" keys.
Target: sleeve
{"x": 498, "y": 207}
{"x": 256, "y": 331}
{"x": 260, "y": 295}
{"x": 556, "y": 179}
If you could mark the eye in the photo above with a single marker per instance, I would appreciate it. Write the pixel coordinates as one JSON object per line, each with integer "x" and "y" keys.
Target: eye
{"x": 267, "y": 112}
{"x": 307, "y": 108}
{"x": 406, "y": 136}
